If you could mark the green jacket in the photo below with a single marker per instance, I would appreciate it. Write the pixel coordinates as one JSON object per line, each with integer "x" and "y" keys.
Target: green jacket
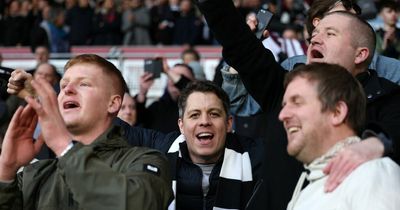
{"x": 107, "y": 174}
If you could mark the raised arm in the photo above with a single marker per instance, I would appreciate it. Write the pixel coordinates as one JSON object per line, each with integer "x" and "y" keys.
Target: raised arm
{"x": 261, "y": 74}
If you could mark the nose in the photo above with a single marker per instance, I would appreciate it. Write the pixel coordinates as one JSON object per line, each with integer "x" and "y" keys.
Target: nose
{"x": 316, "y": 39}
{"x": 284, "y": 114}
{"x": 69, "y": 89}
{"x": 205, "y": 120}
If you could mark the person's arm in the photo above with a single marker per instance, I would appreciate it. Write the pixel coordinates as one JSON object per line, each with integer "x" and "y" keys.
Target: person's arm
{"x": 10, "y": 196}
{"x": 386, "y": 67}
{"x": 141, "y": 181}
{"x": 261, "y": 74}
{"x": 137, "y": 136}
{"x": 242, "y": 104}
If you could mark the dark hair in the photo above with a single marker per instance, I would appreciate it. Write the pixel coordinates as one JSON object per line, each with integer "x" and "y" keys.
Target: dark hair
{"x": 108, "y": 68}
{"x": 335, "y": 84}
{"x": 319, "y": 8}
{"x": 193, "y": 52}
{"x": 389, "y": 4}
{"x": 362, "y": 34}
{"x": 202, "y": 86}
{"x": 185, "y": 66}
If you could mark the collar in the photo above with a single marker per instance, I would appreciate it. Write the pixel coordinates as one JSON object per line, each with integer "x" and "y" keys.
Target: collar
{"x": 315, "y": 167}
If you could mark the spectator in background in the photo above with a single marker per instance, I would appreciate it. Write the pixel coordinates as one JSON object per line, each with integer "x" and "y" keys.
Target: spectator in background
{"x": 80, "y": 19}
{"x": 57, "y": 31}
{"x": 162, "y": 22}
{"x": 40, "y": 29}
{"x": 388, "y": 68}
{"x": 191, "y": 57}
{"x": 187, "y": 25}
{"x": 107, "y": 24}
{"x": 136, "y": 22}
{"x": 388, "y": 37}
{"x": 42, "y": 54}
{"x": 14, "y": 25}
{"x": 162, "y": 114}
{"x": 128, "y": 111}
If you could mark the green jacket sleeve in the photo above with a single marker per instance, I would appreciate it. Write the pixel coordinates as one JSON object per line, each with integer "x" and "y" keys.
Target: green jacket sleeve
{"x": 10, "y": 196}
{"x": 137, "y": 178}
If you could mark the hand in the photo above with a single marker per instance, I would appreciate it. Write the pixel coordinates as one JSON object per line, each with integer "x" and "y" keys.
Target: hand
{"x": 349, "y": 159}
{"x": 252, "y": 22}
{"x": 18, "y": 147}
{"x": 19, "y": 84}
{"x": 146, "y": 81}
{"x": 54, "y": 130}
{"x": 172, "y": 75}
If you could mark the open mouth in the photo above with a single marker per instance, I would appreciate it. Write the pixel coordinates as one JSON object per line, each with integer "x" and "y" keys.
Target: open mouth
{"x": 316, "y": 54}
{"x": 293, "y": 129}
{"x": 204, "y": 136}
{"x": 70, "y": 105}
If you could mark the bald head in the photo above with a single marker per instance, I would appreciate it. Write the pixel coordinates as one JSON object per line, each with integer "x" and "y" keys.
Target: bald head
{"x": 362, "y": 34}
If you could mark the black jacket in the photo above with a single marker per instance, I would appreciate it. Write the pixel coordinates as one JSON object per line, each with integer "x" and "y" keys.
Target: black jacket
{"x": 189, "y": 175}
{"x": 263, "y": 78}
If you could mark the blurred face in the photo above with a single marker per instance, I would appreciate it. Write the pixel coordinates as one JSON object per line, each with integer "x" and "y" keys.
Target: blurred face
{"x": 305, "y": 124}
{"x": 188, "y": 57}
{"x": 46, "y": 72}
{"x": 85, "y": 98}
{"x": 204, "y": 124}
{"x": 14, "y": 8}
{"x": 331, "y": 42}
{"x": 186, "y": 5}
{"x": 389, "y": 16}
{"x": 289, "y": 34}
{"x": 128, "y": 110}
{"x": 41, "y": 55}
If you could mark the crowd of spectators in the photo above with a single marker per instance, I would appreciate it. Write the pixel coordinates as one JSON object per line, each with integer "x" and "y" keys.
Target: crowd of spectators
{"x": 61, "y": 24}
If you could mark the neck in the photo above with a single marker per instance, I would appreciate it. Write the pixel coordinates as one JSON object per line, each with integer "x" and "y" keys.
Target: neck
{"x": 88, "y": 136}
{"x": 338, "y": 135}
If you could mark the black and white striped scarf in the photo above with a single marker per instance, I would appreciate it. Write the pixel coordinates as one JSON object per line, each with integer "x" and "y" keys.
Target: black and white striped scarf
{"x": 235, "y": 184}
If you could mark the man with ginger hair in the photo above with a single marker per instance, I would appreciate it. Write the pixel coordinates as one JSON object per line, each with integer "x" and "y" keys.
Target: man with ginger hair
{"x": 95, "y": 167}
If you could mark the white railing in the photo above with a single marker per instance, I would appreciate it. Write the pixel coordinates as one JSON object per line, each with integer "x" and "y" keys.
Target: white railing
{"x": 128, "y": 59}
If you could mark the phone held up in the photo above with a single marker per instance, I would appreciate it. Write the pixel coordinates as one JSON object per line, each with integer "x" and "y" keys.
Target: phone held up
{"x": 263, "y": 18}
{"x": 154, "y": 66}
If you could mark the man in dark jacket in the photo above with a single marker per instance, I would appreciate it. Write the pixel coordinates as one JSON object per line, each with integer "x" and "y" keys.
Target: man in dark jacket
{"x": 335, "y": 41}
{"x": 100, "y": 170}
{"x": 211, "y": 167}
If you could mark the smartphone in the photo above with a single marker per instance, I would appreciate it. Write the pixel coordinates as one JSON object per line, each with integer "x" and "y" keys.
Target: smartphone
{"x": 154, "y": 66}
{"x": 264, "y": 18}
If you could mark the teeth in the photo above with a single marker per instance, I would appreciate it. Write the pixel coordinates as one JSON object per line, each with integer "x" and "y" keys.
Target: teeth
{"x": 293, "y": 129}
{"x": 204, "y": 135}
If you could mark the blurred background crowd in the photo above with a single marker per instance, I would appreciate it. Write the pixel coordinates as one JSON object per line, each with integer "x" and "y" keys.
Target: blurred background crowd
{"x": 61, "y": 24}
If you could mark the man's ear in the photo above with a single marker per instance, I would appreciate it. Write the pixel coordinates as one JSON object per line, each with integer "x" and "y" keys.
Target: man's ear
{"x": 315, "y": 21}
{"x": 229, "y": 124}
{"x": 180, "y": 124}
{"x": 115, "y": 104}
{"x": 362, "y": 54}
{"x": 340, "y": 113}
